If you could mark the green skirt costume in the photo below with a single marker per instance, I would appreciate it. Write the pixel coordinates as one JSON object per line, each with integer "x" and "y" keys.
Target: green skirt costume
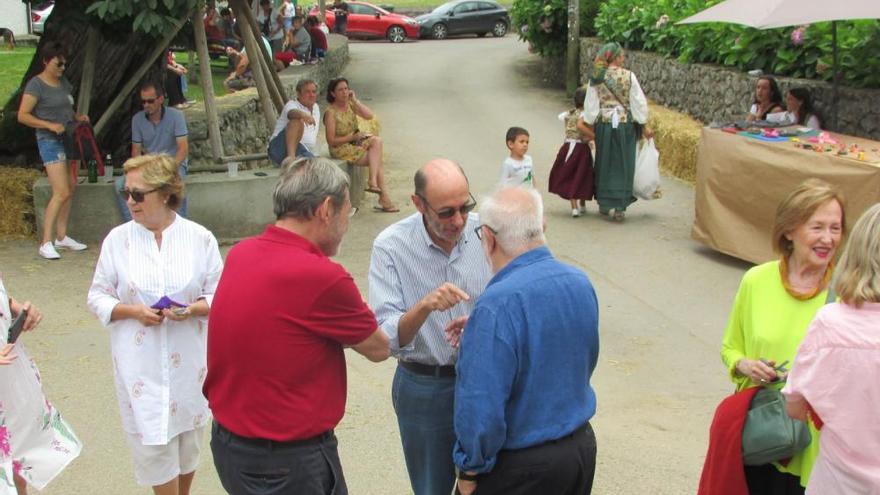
{"x": 615, "y": 165}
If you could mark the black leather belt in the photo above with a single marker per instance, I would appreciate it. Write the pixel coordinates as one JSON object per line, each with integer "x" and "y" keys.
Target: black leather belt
{"x": 429, "y": 370}
{"x": 274, "y": 444}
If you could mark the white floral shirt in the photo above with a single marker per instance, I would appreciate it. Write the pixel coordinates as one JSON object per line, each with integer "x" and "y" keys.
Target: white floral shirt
{"x": 35, "y": 441}
{"x": 158, "y": 370}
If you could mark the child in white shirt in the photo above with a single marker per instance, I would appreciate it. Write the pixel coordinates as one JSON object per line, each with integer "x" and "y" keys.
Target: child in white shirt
{"x": 517, "y": 169}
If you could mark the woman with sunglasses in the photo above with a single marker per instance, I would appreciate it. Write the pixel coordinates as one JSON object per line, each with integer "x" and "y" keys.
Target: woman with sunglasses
{"x": 47, "y": 106}
{"x": 152, "y": 288}
{"x": 348, "y": 143}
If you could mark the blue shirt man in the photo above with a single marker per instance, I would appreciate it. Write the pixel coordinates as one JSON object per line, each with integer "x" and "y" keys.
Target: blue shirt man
{"x": 523, "y": 398}
{"x": 157, "y": 130}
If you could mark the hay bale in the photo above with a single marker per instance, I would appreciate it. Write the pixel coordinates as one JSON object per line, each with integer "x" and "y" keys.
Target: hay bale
{"x": 17, "y": 202}
{"x": 677, "y": 136}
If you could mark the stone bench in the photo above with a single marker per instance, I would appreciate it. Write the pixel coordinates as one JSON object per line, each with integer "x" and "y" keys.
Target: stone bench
{"x": 230, "y": 207}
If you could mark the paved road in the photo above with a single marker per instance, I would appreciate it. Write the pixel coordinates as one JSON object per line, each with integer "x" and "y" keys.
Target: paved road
{"x": 664, "y": 299}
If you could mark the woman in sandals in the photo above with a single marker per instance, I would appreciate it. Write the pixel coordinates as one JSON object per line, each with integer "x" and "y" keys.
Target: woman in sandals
{"x": 348, "y": 143}
{"x": 615, "y": 103}
{"x": 47, "y": 106}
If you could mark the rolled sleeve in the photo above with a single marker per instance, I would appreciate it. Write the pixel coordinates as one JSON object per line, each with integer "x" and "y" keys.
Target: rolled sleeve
{"x": 485, "y": 372}
{"x": 638, "y": 104}
{"x": 386, "y": 298}
{"x": 214, "y": 265}
{"x": 591, "y": 105}
{"x": 102, "y": 296}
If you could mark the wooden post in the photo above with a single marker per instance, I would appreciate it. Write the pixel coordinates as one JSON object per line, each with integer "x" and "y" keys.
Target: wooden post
{"x": 125, "y": 93}
{"x": 572, "y": 69}
{"x": 207, "y": 82}
{"x": 274, "y": 91}
{"x": 270, "y": 63}
{"x": 252, "y": 43}
{"x": 88, "y": 74}
{"x": 322, "y": 8}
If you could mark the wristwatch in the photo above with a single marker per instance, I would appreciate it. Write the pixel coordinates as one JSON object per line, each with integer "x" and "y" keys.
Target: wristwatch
{"x": 465, "y": 476}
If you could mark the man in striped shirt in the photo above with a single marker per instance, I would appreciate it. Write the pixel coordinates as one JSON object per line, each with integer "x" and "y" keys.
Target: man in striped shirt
{"x": 426, "y": 272}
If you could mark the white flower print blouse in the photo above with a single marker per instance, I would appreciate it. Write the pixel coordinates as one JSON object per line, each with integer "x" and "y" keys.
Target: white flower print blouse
{"x": 158, "y": 370}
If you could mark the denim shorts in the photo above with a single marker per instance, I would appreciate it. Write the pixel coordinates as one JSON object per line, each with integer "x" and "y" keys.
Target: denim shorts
{"x": 278, "y": 149}
{"x": 51, "y": 151}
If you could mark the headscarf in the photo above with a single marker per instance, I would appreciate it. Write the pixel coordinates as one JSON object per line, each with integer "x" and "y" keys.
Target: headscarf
{"x": 604, "y": 57}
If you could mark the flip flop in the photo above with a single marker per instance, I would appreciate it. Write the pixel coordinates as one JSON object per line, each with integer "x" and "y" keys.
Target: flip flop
{"x": 386, "y": 209}
{"x": 374, "y": 190}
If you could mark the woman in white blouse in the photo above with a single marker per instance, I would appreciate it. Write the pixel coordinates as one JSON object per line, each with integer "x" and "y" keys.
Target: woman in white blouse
{"x": 153, "y": 286}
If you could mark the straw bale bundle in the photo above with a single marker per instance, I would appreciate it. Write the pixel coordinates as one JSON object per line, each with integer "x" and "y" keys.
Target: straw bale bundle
{"x": 677, "y": 137}
{"x": 17, "y": 202}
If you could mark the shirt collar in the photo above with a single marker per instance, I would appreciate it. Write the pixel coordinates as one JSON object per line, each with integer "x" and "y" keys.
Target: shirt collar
{"x": 283, "y": 236}
{"x": 162, "y": 116}
{"x": 529, "y": 257}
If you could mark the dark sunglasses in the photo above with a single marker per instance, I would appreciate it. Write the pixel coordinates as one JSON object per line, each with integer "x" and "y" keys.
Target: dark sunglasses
{"x": 479, "y": 231}
{"x": 449, "y": 212}
{"x": 60, "y": 64}
{"x": 136, "y": 196}
{"x": 149, "y": 101}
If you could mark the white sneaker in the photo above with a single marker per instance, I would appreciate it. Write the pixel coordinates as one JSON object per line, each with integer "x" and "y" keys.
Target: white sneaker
{"x": 68, "y": 243}
{"x": 582, "y": 209}
{"x": 48, "y": 251}
{"x": 575, "y": 213}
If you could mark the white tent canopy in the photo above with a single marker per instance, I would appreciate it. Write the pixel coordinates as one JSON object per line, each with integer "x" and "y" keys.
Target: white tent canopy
{"x": 766, "y": 14}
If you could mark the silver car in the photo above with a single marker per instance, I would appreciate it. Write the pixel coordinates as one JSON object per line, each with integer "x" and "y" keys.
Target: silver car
{"x": 39, "y": 13}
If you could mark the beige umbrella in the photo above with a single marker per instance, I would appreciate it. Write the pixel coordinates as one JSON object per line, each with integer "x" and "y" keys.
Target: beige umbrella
{"x": 767, "y": 14}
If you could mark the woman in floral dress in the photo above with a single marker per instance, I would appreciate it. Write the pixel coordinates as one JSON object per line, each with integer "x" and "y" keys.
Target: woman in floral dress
{"x": 355, "y": 146}
{"x": 152, "y": 288}
{"x": 35, "y": 443}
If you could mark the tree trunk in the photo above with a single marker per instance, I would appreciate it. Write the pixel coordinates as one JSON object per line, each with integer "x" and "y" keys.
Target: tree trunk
{"x": 120, "y": 55}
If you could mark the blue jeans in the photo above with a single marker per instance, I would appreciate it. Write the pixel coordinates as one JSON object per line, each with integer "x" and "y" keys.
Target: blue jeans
{"x": 424, "y": 407}
{"x": 119, "y": 185}
{"x": 278, "y": 149}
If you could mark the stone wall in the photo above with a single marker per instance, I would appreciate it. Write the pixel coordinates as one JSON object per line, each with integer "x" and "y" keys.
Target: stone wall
{"x": 242, "y": 127}
{"x": 713, "y": 93}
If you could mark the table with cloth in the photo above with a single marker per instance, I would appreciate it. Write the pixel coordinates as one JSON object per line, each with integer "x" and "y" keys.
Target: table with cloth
{"x": 741, "y": 180}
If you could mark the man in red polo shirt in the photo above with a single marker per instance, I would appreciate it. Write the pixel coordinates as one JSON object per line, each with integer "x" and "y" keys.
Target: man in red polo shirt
{"x": 282, "y": 313}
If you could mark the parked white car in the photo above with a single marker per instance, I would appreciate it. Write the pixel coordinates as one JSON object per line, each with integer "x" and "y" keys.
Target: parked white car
{"x": 39, "y": 13}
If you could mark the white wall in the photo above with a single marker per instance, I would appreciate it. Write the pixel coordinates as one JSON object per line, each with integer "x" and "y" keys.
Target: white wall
{"x": 13, "y": 15}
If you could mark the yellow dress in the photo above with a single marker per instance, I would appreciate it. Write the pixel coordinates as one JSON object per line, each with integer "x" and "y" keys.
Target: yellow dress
{"x": 347, "y": 123}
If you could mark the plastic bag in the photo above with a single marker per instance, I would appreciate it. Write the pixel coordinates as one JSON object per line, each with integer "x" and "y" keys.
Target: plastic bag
{"x": 646, "y": 182}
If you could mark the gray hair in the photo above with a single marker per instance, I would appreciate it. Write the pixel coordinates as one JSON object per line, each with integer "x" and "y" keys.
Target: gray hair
{"x": 516, "y": 214}
{"x": 302, "y": 83}
{"x": 305, "y": 183}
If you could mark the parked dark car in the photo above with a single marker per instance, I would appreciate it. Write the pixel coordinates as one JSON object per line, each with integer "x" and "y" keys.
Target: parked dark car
{"x": 479, "y": 17}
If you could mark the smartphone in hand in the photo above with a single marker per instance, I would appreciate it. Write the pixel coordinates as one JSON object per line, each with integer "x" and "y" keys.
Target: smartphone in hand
{"x": 17, "y": 327}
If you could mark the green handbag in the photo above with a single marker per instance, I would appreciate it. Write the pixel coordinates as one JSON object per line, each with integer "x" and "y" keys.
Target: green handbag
{"x": 769, "y": 434}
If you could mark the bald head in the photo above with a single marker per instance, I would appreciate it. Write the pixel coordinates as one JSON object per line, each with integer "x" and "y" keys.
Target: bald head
{"x": 439, "y": 171}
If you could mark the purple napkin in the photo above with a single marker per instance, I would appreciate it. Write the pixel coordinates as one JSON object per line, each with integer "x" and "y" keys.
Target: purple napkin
{"x": 167, "y": 303}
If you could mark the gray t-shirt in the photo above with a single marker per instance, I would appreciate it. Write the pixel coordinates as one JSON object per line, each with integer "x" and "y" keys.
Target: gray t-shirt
{"x": 161, "y": 137}
{"x": 54, "y": 104}
{"x": 303, "y": 44}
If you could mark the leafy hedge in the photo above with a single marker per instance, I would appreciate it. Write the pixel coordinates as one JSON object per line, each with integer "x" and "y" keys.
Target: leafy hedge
{"x": 803, "y": 51}
{"x": 544, "y": 23}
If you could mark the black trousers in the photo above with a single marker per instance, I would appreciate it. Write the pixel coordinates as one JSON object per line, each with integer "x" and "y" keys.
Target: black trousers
{"x": 767, "y": 480}
{"x": 249, "y": 466}
{"x": 561, "y": 467}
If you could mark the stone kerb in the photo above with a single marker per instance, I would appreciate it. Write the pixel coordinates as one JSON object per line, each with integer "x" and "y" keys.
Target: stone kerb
{"x": 714, "y": 93}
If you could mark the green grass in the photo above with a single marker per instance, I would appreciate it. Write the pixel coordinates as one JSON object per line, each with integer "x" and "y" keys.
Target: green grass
{"x": 12, "y": 68}
{"x": 14, "y": 64}
{"x": 219, "y": 71}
